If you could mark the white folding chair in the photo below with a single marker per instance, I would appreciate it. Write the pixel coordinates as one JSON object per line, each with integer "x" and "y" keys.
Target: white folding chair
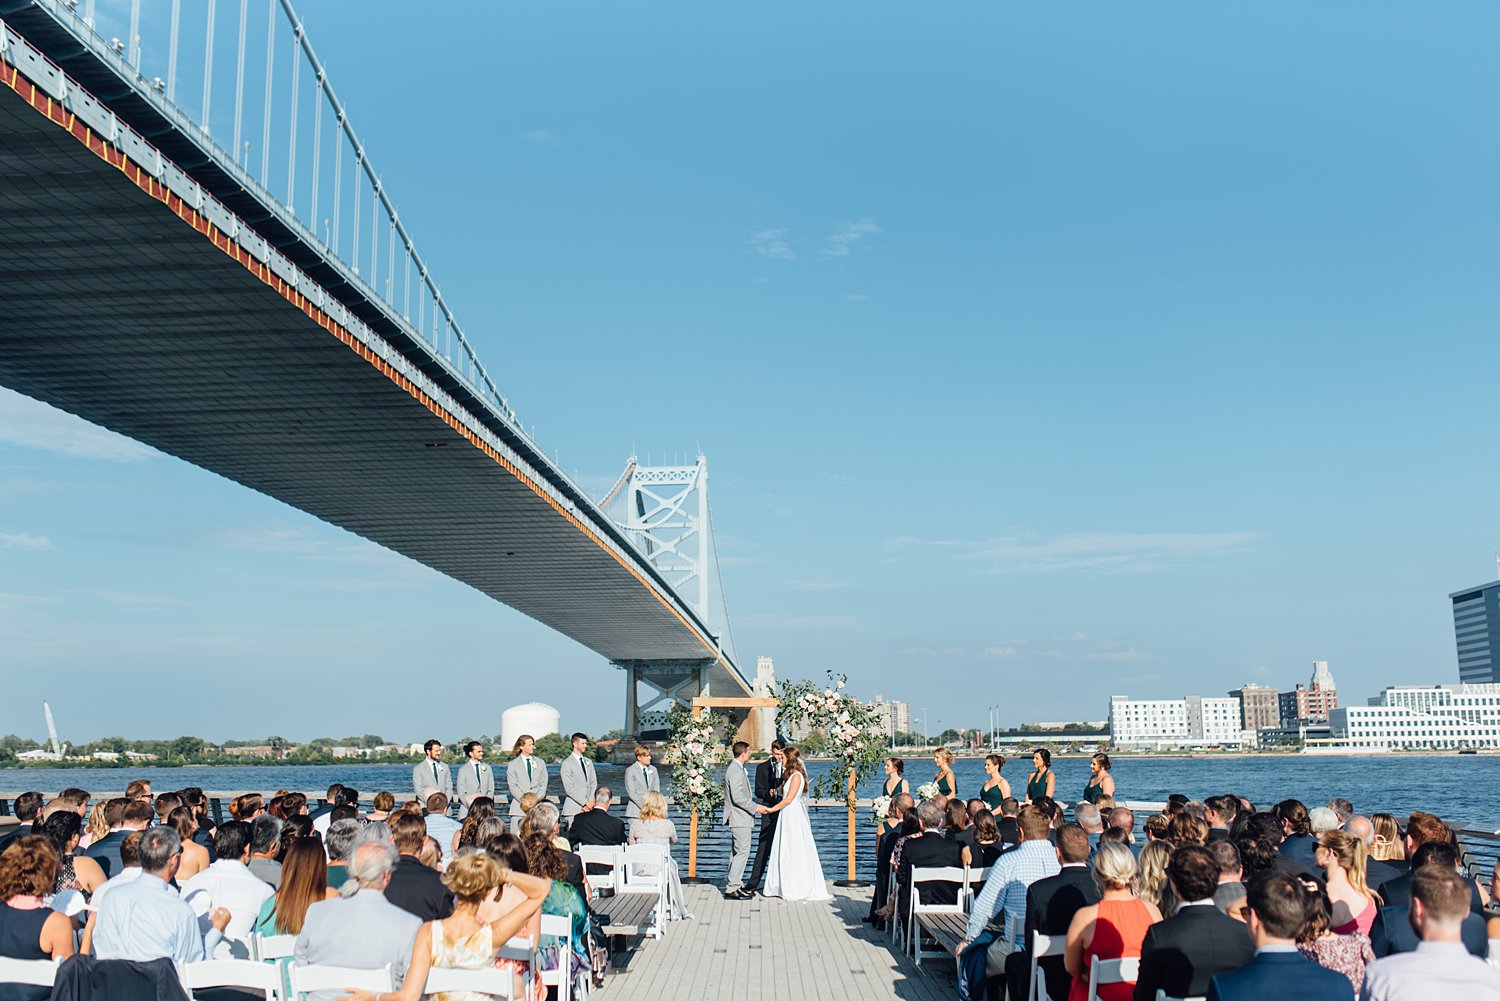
{"x": 1162, "y": 995}
{"x": 31, "y": 972}
{"x": 246, "y": 973}
{"x": 915, "y": 907}
{"x": 268, "y": 947}
{"x": 1112, "y": 971}
{"x": 561, "y": 927}
{"x": 496, "y": 983}
{"x": 653, "y": 856}
{"x": 601, "y": 855}
{"x": 69, "y": 902}
{"x": 973, "y": 878}
{"x": 332, "y": 978}
{"x": 894, "y": 926}
{"x": 1015, "y": 931}
{"x": 1043, "y": 946}
{"x": 1494, "y": 953}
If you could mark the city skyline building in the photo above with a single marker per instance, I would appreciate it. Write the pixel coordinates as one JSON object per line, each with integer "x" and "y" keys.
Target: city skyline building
{"x": 1193, "y": 721}
{"x": 1421, "y": 716}
{"x": 1314, "y": 701}
{"x": 1476, "y": 630}
{"x": 1260, "y": 706}
{"x": 894, "y": 716}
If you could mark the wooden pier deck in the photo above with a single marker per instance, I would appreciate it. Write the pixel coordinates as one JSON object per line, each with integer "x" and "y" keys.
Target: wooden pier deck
{"x": 773, "y": 950}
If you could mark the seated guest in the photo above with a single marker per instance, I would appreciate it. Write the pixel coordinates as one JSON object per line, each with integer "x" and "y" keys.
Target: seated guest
{"x": 1296, "y": 829}
{"x": 1004, "y": 894}
{"x": 956, "y": 824}
{"x": 329, "y": 803}
{"x": 542, "y": 821}
{"x": 345, "y": 798}
{"x": 926, "y": 850}
{"x": 900, "y": 805}
{"x": 228, "y": 883}
{"x": 1229, "y": 895}
{"x": 1276, "y": 912}
{"x": 293, "y": 804}
{"x": 133, "y": 816}
{"x": 1376, "y": 870}
{"x": 339, "y": 845}
{"x": 544, "y": 860}
{"x": 480, "y": 827}
{"x": 1421, "y": 828}
{"x": 29, "y": 929}
{"x": 1010, "y": 808}
{"x": 384, "y": 803}
{"x": 1342, "y": 809}
{"x": 247, "y": 807}
{"x": 144, "y": 919}
{"x": 1187, "y": 829}
{"x": 139, "y": 791}
{"x": 594, "y": 826}
{"x": 1220, "y": 812}
{"x": 415, "y": 887}
{"x": 197, "y": 801}
{"x": 195, "y": 857}
{"x": 985, "y": 849}
{"x": 1388, "y": 846}
{"x": 74, "y": 871}
{"x": 1181, "y": 954}
{"x": 1342, "y": 858}
{"x": 1158, "y": 827}
{"x": 1111, "y": 929}
{"x": 440, "y": 826}
{"x": 1152, "y": 870}
{"x": 165, "y": 804}
{"x": 471, "y": 937}
{"x": 265, "y": 846}
{"x": 1348, "y": 954}
{"x": 507, "y": 849}
{"x": 1125, "y": 821}
{"x": 1441, "y": 966}
{"x": 650, "y": 827}
{"x": 1321, "y": 820}
{"x": 28, "y": 810}
{"x": 95, "y": 828}
{"x": 1087, "y": 816}
{"x": 1051, "y": 903}
{"x": 1392, "y": 931}
{"x": 1270, "y": 832}
{"x": 386, "y": 932}
{"x": 304, "y": 882}
{"x": 130, "y": 857}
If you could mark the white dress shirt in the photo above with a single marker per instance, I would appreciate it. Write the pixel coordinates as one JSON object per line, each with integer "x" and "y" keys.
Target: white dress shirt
{"x": 127, "y": 875}
{"x": 143, "y": 919}
{"x": 229, "y": 884}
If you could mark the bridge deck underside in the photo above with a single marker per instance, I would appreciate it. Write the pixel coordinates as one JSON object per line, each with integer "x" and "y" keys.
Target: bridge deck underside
{"x": 114, "y": 308}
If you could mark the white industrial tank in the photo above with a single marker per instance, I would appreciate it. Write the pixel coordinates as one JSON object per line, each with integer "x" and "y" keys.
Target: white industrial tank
{"x": 535, "y": 718}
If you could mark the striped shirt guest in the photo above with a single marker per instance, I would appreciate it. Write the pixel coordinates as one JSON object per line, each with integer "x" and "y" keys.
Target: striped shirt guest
{"x": 1441, "y": 967}
{"x": 1011, "y": 875}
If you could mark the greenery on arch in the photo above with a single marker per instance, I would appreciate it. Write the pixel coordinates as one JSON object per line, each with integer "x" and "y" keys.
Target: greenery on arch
{"x": 851, "y": 732}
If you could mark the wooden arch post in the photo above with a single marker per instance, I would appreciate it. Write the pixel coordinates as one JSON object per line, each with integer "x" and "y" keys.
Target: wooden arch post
{"x": 708, "y": 702}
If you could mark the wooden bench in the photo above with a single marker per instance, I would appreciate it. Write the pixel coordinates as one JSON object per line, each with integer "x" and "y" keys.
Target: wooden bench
{"x": 629, "y": 913}
{"x": 946, "y": 929}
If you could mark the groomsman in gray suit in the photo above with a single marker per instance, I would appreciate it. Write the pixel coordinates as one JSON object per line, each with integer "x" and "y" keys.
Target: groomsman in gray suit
{"x": 740, "y": 813}
{"x": 474, "y": 777}
{"x": 525, "y": 773}
{"x": 431, "y": 775}
{"x": 578, "y": 779}
{"x": 640, "y": 779}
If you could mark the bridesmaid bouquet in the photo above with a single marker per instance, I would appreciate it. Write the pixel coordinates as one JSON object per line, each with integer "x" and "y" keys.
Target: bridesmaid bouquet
{"x": 927, "y": 791}
{"x": 879, "y": 808}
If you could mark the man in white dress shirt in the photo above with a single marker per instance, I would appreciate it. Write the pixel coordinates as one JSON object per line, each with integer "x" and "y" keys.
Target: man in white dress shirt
{"x": 144, "y": 919}
{"x": 439, "y": 825}
{"x": 640, "y": 779}
{"x": 578, "y": 779}
{"x": 526, "y": 773}
{"x": 431, "y": 775}
{"x": 230, "y": 884}
{"x": 474, "y": 777}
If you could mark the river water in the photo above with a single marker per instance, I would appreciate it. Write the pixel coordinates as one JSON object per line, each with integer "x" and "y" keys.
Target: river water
{"x": 1460, "y": 788}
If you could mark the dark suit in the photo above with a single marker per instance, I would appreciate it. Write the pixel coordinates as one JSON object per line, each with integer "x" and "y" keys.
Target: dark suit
{"x": 1218, "y": 834}
{"x": 1183, "y": 953}
{"x": 19, "y": 831}
{"x": 925, "y": 852}
{"x": 419, "y": 890}
{"x": 596, "y": 827}
{"x": 883, "y": 869}
{"x": 1397, "y": 893}
{"x": 1296, "y": 869}
{"x": 1300, "y": 847}
{"x": 1392, "y": 932}
{"x": 767, "y": 793}
{"x": 106, "y": 851}
{"x": 1010, "y": 833}
{"x": 1280, "y": 975}
{"x": 1051, "y": 903}
{"x": 1377, "y": 872}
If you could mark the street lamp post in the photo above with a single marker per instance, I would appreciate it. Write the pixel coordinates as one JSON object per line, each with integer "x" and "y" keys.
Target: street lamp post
{"x": 926, "y": 731}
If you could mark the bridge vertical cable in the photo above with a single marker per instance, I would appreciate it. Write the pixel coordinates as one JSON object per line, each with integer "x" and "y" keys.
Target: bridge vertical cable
{"x": 208, "y": 66}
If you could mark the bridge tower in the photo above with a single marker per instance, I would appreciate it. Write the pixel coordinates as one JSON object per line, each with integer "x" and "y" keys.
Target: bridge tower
{"x": 666, "y": 515}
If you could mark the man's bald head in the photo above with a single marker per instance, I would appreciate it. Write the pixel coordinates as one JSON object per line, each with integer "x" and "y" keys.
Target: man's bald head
{"x": 1360, "y": 827}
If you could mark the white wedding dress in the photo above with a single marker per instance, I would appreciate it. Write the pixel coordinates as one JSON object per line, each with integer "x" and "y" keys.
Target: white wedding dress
{"x": 794, "y": 872}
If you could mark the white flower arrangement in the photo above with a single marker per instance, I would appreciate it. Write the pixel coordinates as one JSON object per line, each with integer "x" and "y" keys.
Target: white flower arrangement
{"x": 880, "y": 808}
{"x": 927, "y": 791}
{"x": 695, "y": 749}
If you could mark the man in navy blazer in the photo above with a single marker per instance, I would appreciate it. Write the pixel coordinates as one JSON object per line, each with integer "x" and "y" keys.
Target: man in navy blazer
{"x": 1183, "y": 953}
{"x": 1275, "y": 913}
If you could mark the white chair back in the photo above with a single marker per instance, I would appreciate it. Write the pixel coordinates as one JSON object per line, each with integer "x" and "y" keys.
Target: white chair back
{"x": 496, "y": 983}
{"x": 1112, "y": 971}
{"x": 32, "y": 972}
{"x": 329, "y": 978}
{"x": 632, "y": 856}
{"x": 1043, "y": 946}
{"x": 69, "y": 902}
{"x": 1162, "y": 995}
{"x": 601, "y": 855}
{"x": 561, "y": 927}
{"x": 914, "y": 905}
{"x": 245, "y": 973}
{"x": 972, "y": 879}
{"x": 1494, "y": 953}
{"x": 269, "y": 947}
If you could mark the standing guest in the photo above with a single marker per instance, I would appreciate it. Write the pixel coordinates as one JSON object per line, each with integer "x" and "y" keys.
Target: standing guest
{"x": 740, "y": 815}
{"x": 29, "y": 929}
{"x": 595, "y": 826}
{"x": 95, "y": 828}
{"x": 144, "y": 920}
{"x": 1087, "y": 817}
{"x": 995, "y": 790}
{"x": 386, "y": 932}
{"x": 901, "y": 803}
{"x": 195, "y": 857}
{"x": 1348, "y": 954}
{"x": 1393, "y": 931}
{"x": 1276, "y": 914}
{"x": 769, "y": 775}
{"x": 1101, "y": 782}
{"x": 1051, "y": 903}
{"x": 135, "y": 815}
{"x": 1042, "y": 781}
{"x": 1387, "y": 845}
{"x": 1341, "y": 856}
{"x": 1296, "y": 828}
{"x": 1181, "y": 954}
{"x": 1220, "y": 812}
{"x": 430, "y": 774}
{"x": 304, "y": 882}
{"x": 1154, "y": 886}
{"x": 947, "y": 782}
{"x": 28, "y": 810}
{"x": 1111, "y": 929}
{"x": 475, "y": 778}
{"x": 414, "y": 887}
{"x": 1440, "y": 967}
{"x": 74, "y": 872}
{"x": 339, "y": 846}
{"x": 578, "y": 779}
{"x": 895, "y": 778}
{"x": 639, "y": 780}
{"x": 443, "y": 828}
{"x": 1342, "y": 808}
{"x": 1004, "y": 896}
{"x": 1229, "y": 894}
{"x": 383, "y": 804}
{"x": 139, "y": 791}
{"x": 526, "y": 774}
{"x": 265, "y": 846}
{"x": 228, "y": 883}
{"x": 653, "y": 828}
{"x": 1010, "y": 809}
{"x": 984, "y": 847}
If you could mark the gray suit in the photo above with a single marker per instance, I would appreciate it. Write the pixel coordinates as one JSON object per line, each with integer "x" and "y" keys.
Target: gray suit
{"x": 740, "y": 814}
{"x": 637, "y": 785}
{"x": 364, "y": 931}
{"x": 579, "y": 783}
{"x": 471, "y": 784}
{"x": 518, "y": 783}
{"x": 424, "y": 783}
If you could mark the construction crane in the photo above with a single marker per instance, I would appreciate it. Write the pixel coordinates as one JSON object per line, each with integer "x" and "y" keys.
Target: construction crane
{"x": 58, "y": 749}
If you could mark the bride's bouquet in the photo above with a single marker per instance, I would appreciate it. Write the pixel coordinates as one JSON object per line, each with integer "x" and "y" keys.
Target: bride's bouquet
{"x": 880, "y": 808}
{"x": 927, "y": 791}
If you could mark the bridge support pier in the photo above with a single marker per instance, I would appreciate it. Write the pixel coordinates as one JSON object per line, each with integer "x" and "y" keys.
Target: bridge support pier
{"x": 654, "y": 687}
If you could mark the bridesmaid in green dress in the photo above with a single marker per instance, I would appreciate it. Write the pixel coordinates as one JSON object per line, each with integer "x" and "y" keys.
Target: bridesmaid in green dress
{"x": 1043, "y": 781}
{"x": 1101, "y": 783}
{"x": 995, "y": 790}
{"x": 947, "y": 783}
{"x": 894, "y": 782}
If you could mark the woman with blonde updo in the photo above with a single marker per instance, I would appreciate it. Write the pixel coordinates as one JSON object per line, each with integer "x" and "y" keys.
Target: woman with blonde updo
{"x": 653, "y": 828}
{"x": 1114, "y": 928}
{"x": 947, "y": 782}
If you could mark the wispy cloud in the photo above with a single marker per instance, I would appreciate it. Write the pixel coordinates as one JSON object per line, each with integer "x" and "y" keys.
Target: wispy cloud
{"x": 24, "y": 541}
{"x": 1000, "y": 652}
{"x": 541, "y": 137}
{"x": 772, "y": 243}
{"x": 847, "y": 235}
{"x": 817, "y": 584}
{"x": 134, "y": 599}
{"x": 823, "y": 622}
{"x": 268, "y": 540}
{"x": 1098, "y": 552}
{"x": 1119, "y": 655}
{"x": 28, "y": 422}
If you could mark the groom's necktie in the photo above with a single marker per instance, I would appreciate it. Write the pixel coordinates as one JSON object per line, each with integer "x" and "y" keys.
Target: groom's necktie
{"x": 528, "y": 768}
{"x": 476, "y": 773}
{"x": 434, "y": 773}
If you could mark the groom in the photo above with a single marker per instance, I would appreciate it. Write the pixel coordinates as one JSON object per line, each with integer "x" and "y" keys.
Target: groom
{"x": 739, "y": 815}
{"x": 769, "y": 775}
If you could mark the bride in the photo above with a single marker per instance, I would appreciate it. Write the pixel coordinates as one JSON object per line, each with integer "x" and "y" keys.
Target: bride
{"x": 794, "y": 872}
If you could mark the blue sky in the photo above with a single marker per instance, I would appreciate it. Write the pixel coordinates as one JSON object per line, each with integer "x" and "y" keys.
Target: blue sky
{"x": 1038, "y": 354}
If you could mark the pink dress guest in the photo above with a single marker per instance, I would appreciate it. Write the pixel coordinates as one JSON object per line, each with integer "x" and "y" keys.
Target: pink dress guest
{"x": 1361, "y": 922}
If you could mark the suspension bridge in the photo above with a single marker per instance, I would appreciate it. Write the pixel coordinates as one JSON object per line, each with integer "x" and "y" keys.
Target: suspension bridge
{"x": 212, "y": 266}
